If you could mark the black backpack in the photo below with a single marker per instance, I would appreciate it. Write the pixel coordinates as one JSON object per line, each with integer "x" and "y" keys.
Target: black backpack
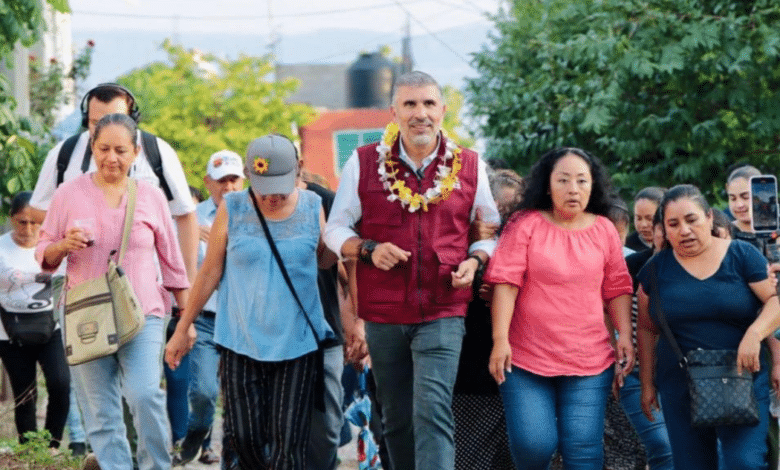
{"x": 148, "y": 142}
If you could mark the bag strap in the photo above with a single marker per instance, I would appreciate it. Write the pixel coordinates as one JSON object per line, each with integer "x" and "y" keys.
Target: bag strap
{"x": 281, "y": 264}
{"x": 153, "y": 156}
{"x": 63, "y": 158}
{"x": 681, "y": 360}
{"x": 129, "y": 215}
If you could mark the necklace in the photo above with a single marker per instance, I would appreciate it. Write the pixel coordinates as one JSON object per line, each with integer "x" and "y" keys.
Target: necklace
{"x": 444, "y": 183}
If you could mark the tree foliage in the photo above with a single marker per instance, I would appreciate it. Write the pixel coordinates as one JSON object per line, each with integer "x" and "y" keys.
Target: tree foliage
{"x": 201, "y": 104}
{"x": 664, "y": 91}
{"x": 21, "y": 140}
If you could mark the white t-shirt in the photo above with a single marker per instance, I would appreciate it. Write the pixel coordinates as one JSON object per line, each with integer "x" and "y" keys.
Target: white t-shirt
{"x": 23, "y": 287}
{"x": 141, "y": 170}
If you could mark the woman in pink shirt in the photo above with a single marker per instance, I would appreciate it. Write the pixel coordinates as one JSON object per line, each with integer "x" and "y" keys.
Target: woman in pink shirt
{"x": 85, "y": 225}
{"x": 558, "y": 265}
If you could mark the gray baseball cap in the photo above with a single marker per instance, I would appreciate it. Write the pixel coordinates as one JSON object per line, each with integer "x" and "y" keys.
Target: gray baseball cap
{"x": 272, "y": 165}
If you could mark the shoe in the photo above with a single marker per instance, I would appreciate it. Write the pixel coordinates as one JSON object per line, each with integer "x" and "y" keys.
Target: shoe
{"x": 190, "y": 447}
{"x": 77, "y": 449}
{"x": 208, "y": 456}
{"x": 90, "y": 463}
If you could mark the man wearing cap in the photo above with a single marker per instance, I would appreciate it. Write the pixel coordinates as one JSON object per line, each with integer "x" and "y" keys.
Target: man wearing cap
{"x": 268, "y": 343}
{"x": 403, "y": 211}
{"x": 224, "y": 174}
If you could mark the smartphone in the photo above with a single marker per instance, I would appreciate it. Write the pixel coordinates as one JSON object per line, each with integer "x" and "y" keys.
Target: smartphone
{"x": 763, "y": 201}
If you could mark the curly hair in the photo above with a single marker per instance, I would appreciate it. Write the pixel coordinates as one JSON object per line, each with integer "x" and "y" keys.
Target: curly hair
{"x": 536, "y": 186}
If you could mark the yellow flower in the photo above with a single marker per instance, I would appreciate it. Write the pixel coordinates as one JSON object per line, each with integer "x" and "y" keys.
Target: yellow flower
{"x": 404, "y": 193}
{"x": 261, "y": 165}
{"x": 391, "y": 133}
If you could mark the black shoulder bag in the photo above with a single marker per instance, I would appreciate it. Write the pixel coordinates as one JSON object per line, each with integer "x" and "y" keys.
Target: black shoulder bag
{"x": 319, "y": 384}
{"x": 719, "y": 396}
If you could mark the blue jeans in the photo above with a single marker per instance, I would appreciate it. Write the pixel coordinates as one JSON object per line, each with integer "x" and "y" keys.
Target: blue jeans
{"x": 75, "y": 427}
{"x": 743, "y": 447}
{"x": 414, "y": 368}
{"x": 652, "y": 434}
{"x": 176, "y": 385}
{"x": 548, "y": 413}
{"x": 134, "y": 371}
{"x": 204, "y": 381}
{"x": 325, "y": 432}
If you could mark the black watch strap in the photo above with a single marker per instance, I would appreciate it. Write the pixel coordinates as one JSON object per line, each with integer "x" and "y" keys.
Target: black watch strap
{"x": 366, "y": 250}
{"x": 480, "y": 263}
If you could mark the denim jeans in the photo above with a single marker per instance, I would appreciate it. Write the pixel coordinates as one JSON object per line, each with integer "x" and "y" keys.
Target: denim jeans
{"x": 741, "y": 447}
{"x": 414, "y": 368}
{"x": 204, "y": 380}
{"x": 548, "y": 413}
{"x": 134, "y": 371}
{"x": 75, "y": 426}
{"x": 652, "y": 433}
{"x": 176, "y": 386}
{"x": 325, "y": 432}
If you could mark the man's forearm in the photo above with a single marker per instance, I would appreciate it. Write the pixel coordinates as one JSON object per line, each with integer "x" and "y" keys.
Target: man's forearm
{"x": 188, "y": 231}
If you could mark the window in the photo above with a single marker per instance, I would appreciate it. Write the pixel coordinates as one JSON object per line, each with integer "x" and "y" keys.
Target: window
{"x": 347, "y": 141}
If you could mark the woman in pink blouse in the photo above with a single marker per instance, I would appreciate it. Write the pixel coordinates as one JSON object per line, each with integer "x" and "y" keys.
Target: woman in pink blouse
{"x": 85, "y": 225}
{"x": 558, "y": 265}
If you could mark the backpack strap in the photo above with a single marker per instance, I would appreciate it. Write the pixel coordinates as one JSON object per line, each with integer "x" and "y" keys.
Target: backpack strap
{"x": 63, "y": 158}
{"x": 152, "y": 151}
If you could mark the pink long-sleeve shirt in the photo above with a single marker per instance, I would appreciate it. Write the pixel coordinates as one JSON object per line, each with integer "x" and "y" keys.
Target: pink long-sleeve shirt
{"x": 564, "y": 277}
{"x": 152, "y": 233}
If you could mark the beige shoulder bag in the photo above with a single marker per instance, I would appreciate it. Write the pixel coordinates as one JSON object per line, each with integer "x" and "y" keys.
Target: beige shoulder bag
{"x": 103, "y": 313}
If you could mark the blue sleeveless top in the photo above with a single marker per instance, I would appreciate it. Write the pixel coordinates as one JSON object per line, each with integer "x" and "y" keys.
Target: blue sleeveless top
{"x": 257, "y": 314}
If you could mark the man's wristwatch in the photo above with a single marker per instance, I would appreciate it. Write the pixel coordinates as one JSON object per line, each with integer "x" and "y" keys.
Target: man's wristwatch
{"x": 480, "y": 263}
{"x": 366, "y": 250}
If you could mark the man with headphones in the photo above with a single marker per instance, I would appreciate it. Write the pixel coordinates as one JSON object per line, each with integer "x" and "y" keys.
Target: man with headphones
{"x": 157, "y": 164}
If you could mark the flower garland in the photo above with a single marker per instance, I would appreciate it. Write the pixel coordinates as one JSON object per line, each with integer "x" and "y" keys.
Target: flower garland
{"x": 445, "y": 182}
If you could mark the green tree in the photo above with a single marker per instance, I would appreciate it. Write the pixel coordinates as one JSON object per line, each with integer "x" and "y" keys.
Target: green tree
{"x": 665, "y": 92}
{"x": 21, "y": 140}
{"x": 201, "y": 104}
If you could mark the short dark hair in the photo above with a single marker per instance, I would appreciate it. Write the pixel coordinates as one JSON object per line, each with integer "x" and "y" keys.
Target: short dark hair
{"x": 651, "y": 193}
{"x": 196, "y": 194}
{"x": 618, "y": 210}
{"x": 19, "y": 202}
{"x": 116, "y": 118}
{"x": 536, "y": 185}
{"x": 744, "y": 171}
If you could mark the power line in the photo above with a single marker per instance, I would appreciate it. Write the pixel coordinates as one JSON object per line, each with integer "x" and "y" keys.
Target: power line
{"x": 239, "y": 17}
{"x": 431, "y": 33}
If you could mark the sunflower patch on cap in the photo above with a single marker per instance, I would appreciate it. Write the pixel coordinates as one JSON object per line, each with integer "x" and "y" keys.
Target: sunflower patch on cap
{"x": 272, "y": 165}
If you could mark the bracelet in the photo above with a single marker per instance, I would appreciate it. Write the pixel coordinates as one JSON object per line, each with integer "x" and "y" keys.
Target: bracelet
{"x": 366, "y": 250}
{"x": 480, "y": 263}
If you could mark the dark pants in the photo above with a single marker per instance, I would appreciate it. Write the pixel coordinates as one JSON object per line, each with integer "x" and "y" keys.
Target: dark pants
{"x": 268, "y": 408}
{"x": 20, "y": 363}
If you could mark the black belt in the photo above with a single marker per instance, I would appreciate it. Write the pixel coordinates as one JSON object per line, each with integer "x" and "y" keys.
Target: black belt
{"x": 208, "y": 314}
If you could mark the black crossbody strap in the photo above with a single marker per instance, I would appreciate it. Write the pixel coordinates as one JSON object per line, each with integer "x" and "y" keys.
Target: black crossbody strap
{"x": 281, "y": 264}
{"x": 662, "y": 320}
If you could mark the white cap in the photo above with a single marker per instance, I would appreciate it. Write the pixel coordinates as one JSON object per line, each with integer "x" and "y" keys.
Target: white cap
{"x": 224, "y": 163}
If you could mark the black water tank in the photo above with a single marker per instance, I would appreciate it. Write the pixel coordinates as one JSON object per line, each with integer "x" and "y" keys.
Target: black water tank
{"x": 370, "y": 81}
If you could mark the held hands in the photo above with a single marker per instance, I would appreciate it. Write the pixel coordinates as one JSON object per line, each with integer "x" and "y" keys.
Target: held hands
{"x": 500, "y": 360}
{"x": 179, "y": 345}
{"x": 464, "y": 276}
{"x": 203, "y": 233}
{"x": 748, "y": 353}
{"x": 387, "y": 255}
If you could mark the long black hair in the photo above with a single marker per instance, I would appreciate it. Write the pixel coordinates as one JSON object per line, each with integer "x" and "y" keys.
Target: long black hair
{"x": 536, "y": 187}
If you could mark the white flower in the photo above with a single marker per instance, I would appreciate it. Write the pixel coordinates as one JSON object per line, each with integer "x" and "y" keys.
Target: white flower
{"x": 432, "y": 193}
{"x": 392, "y": 197}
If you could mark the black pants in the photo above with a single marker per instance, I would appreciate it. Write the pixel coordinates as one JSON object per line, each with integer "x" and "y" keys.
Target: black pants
{"x": 20, "y": 362}
{"x": 268, "y": 409}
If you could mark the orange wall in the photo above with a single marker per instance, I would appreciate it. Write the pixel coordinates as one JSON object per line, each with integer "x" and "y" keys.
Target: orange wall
{"x": 317, "y": 147}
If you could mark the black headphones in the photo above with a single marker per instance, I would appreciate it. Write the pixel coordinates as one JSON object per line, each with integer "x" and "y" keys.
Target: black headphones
{"x": 135, "y": 113}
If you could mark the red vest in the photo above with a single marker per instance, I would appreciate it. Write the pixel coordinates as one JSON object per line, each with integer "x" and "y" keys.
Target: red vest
{"x": 420, "y": 289}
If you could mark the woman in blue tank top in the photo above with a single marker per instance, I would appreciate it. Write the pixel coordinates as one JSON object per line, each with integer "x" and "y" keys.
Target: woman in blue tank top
{"x": 268, "y": 338}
